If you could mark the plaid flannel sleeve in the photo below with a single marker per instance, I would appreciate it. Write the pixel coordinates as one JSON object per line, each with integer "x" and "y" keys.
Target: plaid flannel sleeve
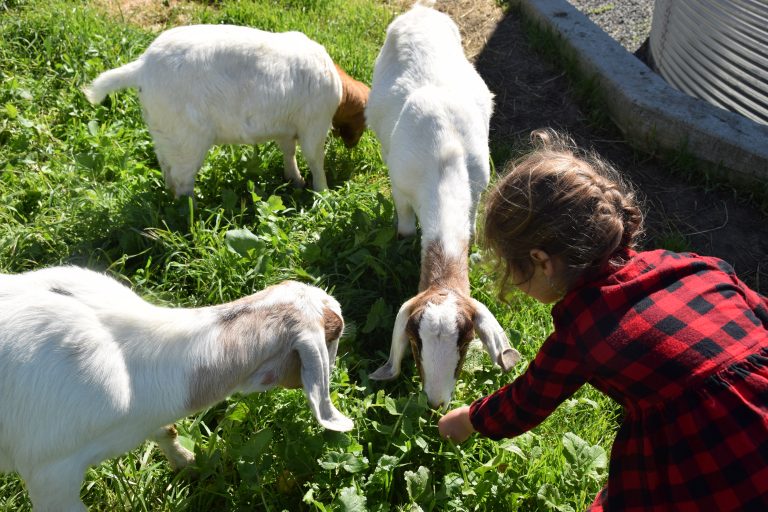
{"x": 554, "y": 375}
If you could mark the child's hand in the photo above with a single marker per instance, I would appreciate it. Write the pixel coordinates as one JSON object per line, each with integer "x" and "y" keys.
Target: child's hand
{"x": 455, "y": 425}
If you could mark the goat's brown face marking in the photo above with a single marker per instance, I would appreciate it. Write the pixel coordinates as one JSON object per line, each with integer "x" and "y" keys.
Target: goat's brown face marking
{"x": 444, "y": 289}
{"x": 350, "y": 134}
{"x": 414, "y": 338}
{"x": 349, "y": 120}
{"x": 466, "y": 329}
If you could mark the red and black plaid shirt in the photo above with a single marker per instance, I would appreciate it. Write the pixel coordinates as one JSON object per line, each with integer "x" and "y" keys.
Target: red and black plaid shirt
{"x": 682, "y": 344}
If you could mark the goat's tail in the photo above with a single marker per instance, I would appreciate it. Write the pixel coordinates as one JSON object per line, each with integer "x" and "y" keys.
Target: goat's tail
{"x": 113, "y": 80}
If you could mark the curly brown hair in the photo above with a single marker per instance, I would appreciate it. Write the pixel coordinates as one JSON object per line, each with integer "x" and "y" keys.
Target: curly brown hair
{"x": 568, "y": 202}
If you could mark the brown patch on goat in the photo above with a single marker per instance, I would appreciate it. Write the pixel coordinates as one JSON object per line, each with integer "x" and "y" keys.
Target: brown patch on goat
{"x": 242, "y": 345}
{"x": 349, "y": 120}
{"x": 170, "y": 431}
{"x": 465, "y": 313}
{"x": 441, "y": 276}
{"x": 439, "y": 270}
{"x": 333, "y": 325}
{"x": 466, "y": 328}
{"x": 412, "y": 331}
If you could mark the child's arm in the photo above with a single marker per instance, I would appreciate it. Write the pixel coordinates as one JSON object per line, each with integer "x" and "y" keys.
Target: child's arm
{"x": 556, "y": 373}
{"x": 456, "y": 425}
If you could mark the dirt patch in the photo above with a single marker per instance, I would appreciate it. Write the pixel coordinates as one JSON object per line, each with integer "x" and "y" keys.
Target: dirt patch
{"x": 150, "y": 14}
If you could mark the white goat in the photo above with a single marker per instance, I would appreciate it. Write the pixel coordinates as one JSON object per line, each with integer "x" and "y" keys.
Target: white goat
{"x": 202, "y": 85}
{"x": 88, "y": 370}
{"x": 431, "y": 111}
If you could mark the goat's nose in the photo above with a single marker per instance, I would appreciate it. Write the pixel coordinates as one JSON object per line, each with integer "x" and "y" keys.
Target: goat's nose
{"x": 436, "y": 404}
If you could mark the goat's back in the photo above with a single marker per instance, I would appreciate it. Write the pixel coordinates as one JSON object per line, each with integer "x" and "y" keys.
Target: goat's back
{"x": 245, "y": 85}
{"x": 422, "y": 52}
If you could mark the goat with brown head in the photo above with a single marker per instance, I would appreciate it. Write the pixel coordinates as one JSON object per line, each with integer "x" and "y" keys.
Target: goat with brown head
{"x": 431, "y": 111}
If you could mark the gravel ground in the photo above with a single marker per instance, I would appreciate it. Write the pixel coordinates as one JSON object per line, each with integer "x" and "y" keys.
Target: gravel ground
{"x": 627, "y": 21}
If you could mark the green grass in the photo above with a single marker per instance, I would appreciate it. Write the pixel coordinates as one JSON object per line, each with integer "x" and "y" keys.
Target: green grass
{"x": 81, "y": 185}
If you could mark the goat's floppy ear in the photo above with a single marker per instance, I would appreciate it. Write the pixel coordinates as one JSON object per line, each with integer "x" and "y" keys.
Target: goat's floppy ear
{"x": 315, "y": 377}
{"x": 399, "y": 343}
{"x": 494, "y": 338}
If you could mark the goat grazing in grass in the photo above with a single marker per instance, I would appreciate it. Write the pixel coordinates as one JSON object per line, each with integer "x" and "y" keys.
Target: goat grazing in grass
{"x": 201, "y": 85}
{"x": 431, "y": 112}
{"x": 89, "y": 370}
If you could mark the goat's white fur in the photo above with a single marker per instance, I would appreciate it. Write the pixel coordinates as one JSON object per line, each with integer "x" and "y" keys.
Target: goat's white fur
{"x": 89, "y": 370}
{"x": 431, "y": 111}
{"x": 201, "y": 85}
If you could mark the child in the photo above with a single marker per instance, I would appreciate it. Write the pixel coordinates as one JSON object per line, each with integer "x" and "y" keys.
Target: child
{"x": 677, "y": 339}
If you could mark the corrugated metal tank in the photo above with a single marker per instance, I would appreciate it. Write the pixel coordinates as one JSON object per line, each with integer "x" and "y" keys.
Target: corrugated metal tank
{"x": 716, "y": 50}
